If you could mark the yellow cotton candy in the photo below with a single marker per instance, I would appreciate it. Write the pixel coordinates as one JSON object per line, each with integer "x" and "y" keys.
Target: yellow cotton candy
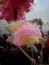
{"x": 13, "y": 26}
{"x": 30, "y": 40}
{"x": 25, "y": 41}
{"x": 34, "y": 39}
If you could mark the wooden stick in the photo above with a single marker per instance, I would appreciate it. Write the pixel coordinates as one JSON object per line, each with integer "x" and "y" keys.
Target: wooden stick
{"x": 10, "y": 37}
{"x": 31, "y": 59}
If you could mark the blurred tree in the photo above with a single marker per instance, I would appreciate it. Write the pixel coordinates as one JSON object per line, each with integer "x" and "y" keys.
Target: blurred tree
{"x": 38, "y": 22}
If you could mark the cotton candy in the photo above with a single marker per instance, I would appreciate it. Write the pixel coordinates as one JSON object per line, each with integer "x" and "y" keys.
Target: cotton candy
{"x": 3, "y": 2}
{"x": 26, "y": 34}
{"x": 25, "y": 4}
{"x": 20, "y": 6}
{"x": 13, "y": 26}
{"x": 3, "y": 31}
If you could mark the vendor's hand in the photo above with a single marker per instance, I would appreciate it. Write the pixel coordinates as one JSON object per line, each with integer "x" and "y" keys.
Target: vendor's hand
{"x": 34, "y": 61}
{"x": 28, "y": 46}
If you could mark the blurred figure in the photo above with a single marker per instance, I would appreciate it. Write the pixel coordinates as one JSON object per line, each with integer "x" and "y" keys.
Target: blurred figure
{"x": 16, "y": 57}
{"x": 34, "y": 52}
{"x": 46, "y": 51}
{"x": 40, "y": 53}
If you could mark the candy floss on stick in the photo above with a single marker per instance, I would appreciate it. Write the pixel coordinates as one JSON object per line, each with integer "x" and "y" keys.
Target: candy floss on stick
{"x": 26, "y": 34}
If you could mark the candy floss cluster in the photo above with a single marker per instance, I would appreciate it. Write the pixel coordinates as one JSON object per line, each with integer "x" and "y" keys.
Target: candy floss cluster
{"x": 28, "y": 33}
{"x": 20, "y": 7}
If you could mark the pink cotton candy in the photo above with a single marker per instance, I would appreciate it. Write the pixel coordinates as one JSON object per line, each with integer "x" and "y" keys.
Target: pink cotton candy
{"x": 27, "y": 29}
